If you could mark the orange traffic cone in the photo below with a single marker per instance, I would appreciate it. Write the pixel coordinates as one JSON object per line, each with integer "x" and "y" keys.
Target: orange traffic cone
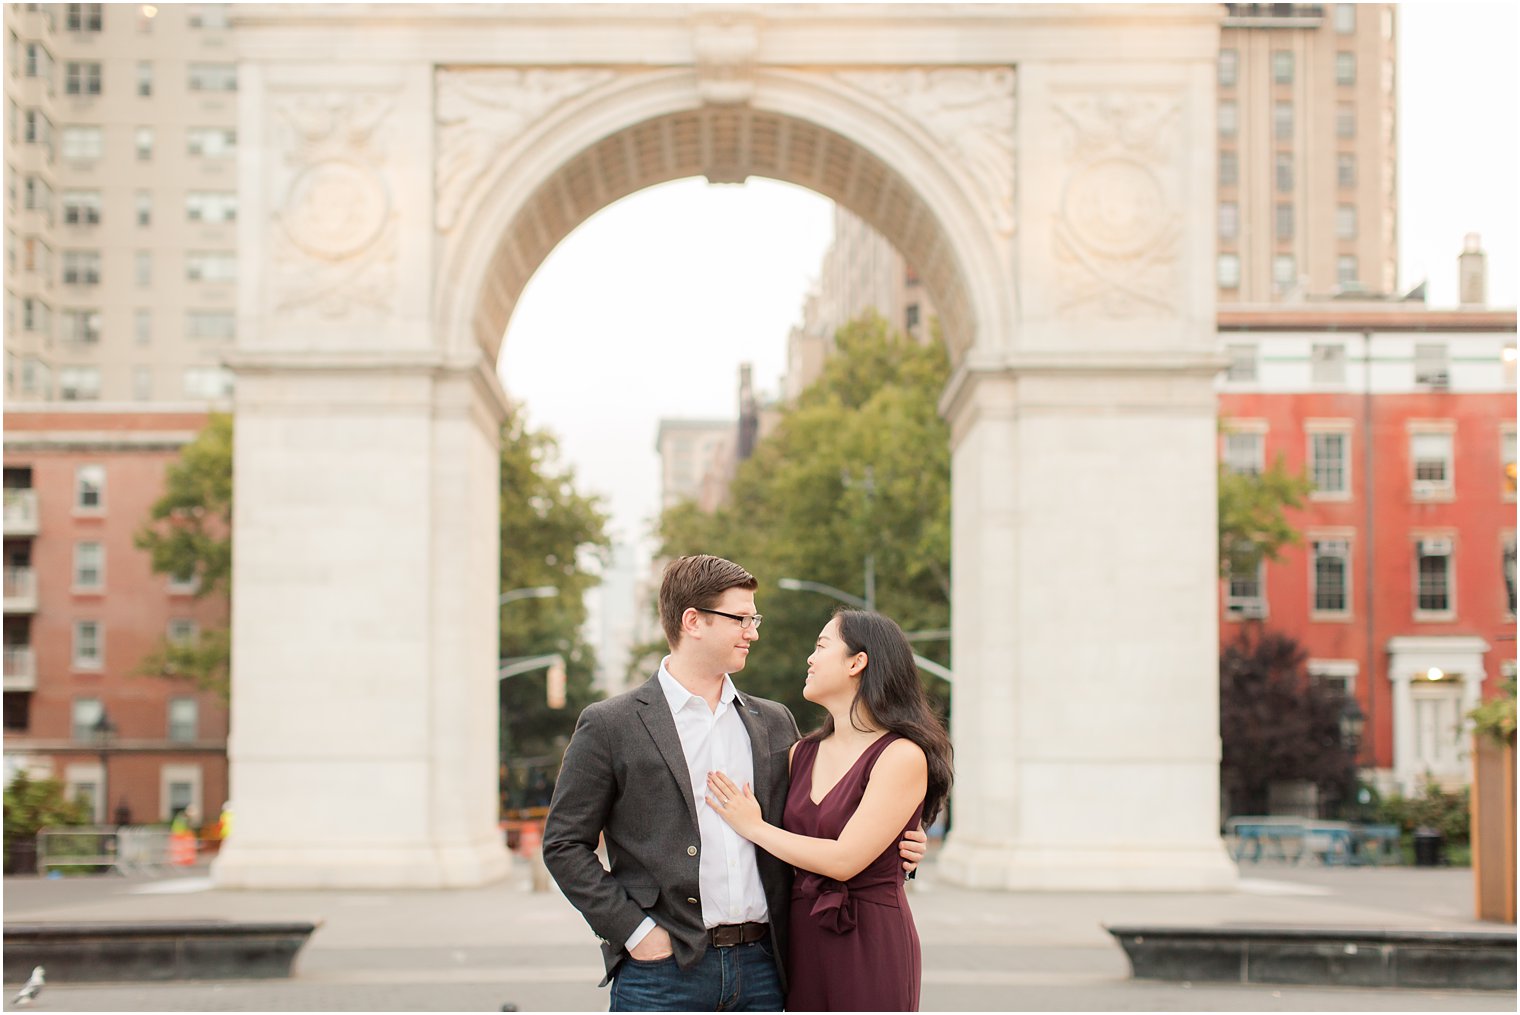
{"x": 182, "y": 849}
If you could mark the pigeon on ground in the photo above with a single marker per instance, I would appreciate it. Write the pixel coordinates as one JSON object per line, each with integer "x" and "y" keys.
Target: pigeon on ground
{"x": 31, "y": 988}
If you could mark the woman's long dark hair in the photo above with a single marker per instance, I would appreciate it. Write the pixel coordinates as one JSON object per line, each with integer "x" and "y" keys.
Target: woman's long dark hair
{"x": 893, "y": 697}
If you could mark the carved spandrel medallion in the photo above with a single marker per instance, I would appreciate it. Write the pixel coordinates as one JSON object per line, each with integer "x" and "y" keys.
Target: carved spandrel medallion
{"x": 1118, "y": 232}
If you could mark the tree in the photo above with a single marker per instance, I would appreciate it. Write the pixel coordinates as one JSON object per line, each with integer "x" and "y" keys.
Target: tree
{"x": 550, "y": 535}
{"x": 1253, "y": 522}
{"x": 1275, "y": 723}
{"x": 859, "y": 466}
{"x": 30, "y": 805}
{"x": 189, "y": 535}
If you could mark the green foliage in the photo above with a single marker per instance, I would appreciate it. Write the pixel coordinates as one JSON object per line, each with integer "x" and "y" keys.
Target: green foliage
{"x": 859, "y": 466}
{"x": 1496, "y": 718}
{"x": 1253, "y": 522}
{"x": 31, "y": 804}
{"x": 189, "y": 533}
{"x": 550, "y": 535}
{"x": 1447, "y": 812}
{"x": 1275, "y": 724}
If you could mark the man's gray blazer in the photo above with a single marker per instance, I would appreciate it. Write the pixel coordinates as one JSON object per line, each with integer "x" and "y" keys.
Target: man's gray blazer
{"x": 624, "y": 777}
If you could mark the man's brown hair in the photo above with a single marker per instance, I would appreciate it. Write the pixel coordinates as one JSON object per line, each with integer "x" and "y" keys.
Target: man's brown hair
{"x": 699, "y": 580}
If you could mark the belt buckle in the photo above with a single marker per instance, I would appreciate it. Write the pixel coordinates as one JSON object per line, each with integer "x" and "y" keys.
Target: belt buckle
{"x": 727, "y": 935}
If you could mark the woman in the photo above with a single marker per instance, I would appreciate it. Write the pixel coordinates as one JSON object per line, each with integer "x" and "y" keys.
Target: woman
{"x": 879, "y": 765}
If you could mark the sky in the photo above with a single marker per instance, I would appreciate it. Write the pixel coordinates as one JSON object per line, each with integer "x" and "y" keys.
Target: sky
{"x": 647, "y": 310}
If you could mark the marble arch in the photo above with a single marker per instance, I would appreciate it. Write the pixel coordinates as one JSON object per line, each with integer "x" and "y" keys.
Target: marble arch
{"x": 403, "y": 171}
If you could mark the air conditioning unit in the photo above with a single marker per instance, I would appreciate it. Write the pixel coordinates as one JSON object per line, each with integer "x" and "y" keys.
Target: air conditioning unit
{"x": 1435, "y": 547}
{"x": 1253, "y": 609}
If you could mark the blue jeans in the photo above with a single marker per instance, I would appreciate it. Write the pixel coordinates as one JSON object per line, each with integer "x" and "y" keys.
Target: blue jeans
{"x": 741, "y": 978}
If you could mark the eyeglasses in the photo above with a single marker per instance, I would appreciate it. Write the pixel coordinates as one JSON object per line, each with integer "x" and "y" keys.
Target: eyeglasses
{"x": 745, "y": 623}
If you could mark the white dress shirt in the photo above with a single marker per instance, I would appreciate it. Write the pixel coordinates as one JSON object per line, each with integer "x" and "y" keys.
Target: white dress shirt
{"x": 715, "y": 740}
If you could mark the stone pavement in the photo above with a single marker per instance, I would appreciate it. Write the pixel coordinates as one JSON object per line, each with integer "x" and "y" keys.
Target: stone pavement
{"x": 477, "y": 949}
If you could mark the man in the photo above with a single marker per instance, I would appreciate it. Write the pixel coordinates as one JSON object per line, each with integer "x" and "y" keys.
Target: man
{"x": 691, "y": 916}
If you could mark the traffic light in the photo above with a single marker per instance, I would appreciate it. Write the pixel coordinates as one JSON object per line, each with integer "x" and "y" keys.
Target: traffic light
{"x": 556, "y": 684}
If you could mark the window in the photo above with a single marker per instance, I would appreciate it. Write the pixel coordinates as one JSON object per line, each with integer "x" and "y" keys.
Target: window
{"x": 1430, "y": 365}
{"x": 89, "y": 648}
{"x": 1229, "y": 67}
{"x": 1430, "y": 456}
{"x": 81, "y": 77}
{"x": 81, "y": 207}
{"x": 1345, "y": 68}
{"x": 1345, "y": 170}
{"x": 144, "y": 200}
{"x": 1229, "y": 169}
{"x": 1332, "y": 576}
{"x": 212, "y": 142}
{"x": 1433, "y": 576}
{"x": 213, "y": 77}
{"x": 910, "y": 317}
{"x": 186, "y": 583}
{"x": 1509, "y": 571}
{"x": 1282, "y": 66}
{"x": 1345, "y": 121}
{"x": 1283, "y": 167}
{"x": 1507, "y": 462}
{"x": 1346, "y": 270}
{"x": 1329, "y": 462}
{"x": 1228, "y": 271}
{"x": 1228, "y": 119}
{"x": 1244, "y": 453}
{"x": 207, "y": 382}
{"x": 1282, "y": 220}
{"x": 82, "y": 143}
{"x": 211, "y": 266}
{"x": 89, "y": 565}
{"x": 184, "y": 719}
{"x": 1345, "y": 221}
{"x": 36, "y": 316}
{"x": 79, "y": 384}
{"x": 211, "y": 206}
{"x": 1284, "y": 272}
{"x": 212, "y": 324}
{"x": 39, "y": 197}
{"x": 209, "y": 16}
{"x": 81, "y": 267}
{"x": 1335, "y": 675}
{"x": 143, "y": 268}
{"x": 144, "y": 78}
{"x": 90, "y": 488}
{"x": 142, "y": 326}
{"x": 1327, "y": 362}
{"x": 1242, "y": 361}
{"x": 144, "y": 142}
{"x": 39, "y": 129}
{"x": 1282, "y": 121}
{"x": 1247, "y": 592}
{"x": 84, "y": 17}
{"x": 1345, "y": 19}
{"x": 1229, "y": 220}
{"x": 142, "y": 383}
{"x": 182, "y": 631}
{"x": 39, "y": 62}
{"x": 86, "y": 716}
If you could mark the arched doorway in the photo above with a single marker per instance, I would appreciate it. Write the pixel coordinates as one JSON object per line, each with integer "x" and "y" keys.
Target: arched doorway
{"x": 1048, "y": 176}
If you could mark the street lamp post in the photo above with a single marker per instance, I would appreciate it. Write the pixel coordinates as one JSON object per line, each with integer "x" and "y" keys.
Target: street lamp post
{"x": 105, "y": 732}
{"x": 511, "y": 668}
{"x": 801, "y": 585}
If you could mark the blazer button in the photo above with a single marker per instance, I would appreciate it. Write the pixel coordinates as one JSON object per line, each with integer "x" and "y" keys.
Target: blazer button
{"x": 692, "y": 901}
{"x": 691, "y": 851}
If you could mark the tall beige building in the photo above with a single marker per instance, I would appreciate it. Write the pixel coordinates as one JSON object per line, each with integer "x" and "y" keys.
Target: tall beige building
{"x": 121, "y": 202}
{"x": 1308, "y": 203}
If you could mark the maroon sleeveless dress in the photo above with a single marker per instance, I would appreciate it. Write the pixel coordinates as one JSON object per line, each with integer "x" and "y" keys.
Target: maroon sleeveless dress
{"x": 853, "y": 944}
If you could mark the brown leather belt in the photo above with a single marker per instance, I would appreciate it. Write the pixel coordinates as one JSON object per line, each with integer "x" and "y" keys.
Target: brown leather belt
{"x": 730, "y": 934}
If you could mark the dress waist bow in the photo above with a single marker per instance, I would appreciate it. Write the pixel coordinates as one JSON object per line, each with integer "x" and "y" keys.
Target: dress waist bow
{"x": 834, "y": 901}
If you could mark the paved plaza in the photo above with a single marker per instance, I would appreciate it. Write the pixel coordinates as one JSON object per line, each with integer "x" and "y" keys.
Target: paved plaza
{"x": 477, "y": 949}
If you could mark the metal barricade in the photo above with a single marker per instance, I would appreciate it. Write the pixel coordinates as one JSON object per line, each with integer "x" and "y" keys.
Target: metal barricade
{"x": 126, "y": 849}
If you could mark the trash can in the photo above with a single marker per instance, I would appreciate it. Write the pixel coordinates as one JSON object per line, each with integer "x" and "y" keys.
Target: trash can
{"x": 1427, "y": 847}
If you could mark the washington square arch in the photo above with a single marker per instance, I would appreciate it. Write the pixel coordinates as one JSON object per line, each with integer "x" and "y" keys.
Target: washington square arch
{"x": 405, "y": 169}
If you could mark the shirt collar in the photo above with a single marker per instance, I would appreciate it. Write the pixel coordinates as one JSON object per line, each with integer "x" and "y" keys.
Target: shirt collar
{"x": 678, "y": 697}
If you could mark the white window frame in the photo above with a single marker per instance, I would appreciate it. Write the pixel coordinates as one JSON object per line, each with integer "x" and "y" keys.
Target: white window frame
{"x": 1227, "y": 279}
{"x": 1432, "y": 365}
{"x": 194, "y": 708}
{"x": 1244, "y": 428}
{"x": 1343, "y": 429}
{"x": 1343, "y": 672}
{"x": 82, "y": 144}
{"x": 1427, "y": 490}
{"x": 184, "y": 774}
{"x": 91, "y": 664}
{"x": 1421, "y": 541}
{"x": 1345, "y": 68}
{"x": 84, "y": 730}
{"x": 1237, "y": 608}
{"x": 79, "y": 384}
{"x": 82, "y": 550}
{"x": 79, "y": 774}
{"x": 1345, "y": 221}
{"x": 1245, "y": 359}
{"x": 1229, "y": 118}
{"x": 143, "y": 140}
{"x": 1330, "y": 538}
{"x": 86, "y": 477}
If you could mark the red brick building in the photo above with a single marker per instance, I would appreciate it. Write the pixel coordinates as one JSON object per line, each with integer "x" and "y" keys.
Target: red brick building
{"x": 1403, "y": 589}
{"x": 83, "y": 607}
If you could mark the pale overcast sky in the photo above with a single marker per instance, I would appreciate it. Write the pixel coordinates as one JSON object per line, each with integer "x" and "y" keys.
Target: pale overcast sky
{"x": 647, "y": 310}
